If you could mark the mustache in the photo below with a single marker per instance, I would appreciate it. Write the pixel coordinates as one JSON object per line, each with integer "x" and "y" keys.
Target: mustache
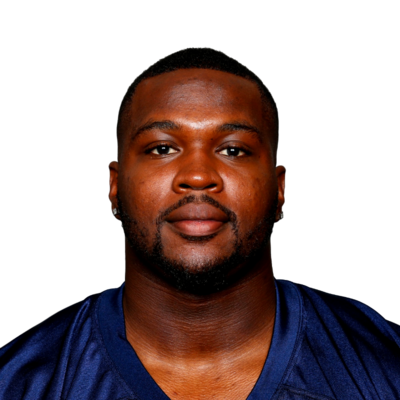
{"x": 197, "y": 199}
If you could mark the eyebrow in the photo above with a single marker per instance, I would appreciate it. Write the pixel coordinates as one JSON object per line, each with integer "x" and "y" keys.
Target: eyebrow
{"x": 150, "y": 125}
{"x": 169, "y": 125}
{"x": 239, "y": 126}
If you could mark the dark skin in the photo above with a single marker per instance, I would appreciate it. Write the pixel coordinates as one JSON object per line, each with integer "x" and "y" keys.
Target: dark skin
{"x": 198, "y": 346}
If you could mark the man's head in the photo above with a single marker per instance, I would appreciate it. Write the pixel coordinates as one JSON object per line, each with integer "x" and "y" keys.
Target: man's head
{"x": 196, "y": 183}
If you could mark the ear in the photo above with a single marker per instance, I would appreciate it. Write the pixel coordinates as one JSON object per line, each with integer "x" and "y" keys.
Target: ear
{"x": 114, "y": 186}
{"x": 280, "y": 176}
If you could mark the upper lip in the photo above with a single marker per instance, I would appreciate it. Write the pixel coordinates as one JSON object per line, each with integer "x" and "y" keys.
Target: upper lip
{"x": 193, "y": 211}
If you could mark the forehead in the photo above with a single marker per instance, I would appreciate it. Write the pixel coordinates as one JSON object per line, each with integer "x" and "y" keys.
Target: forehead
{"x": 196, "y": 96}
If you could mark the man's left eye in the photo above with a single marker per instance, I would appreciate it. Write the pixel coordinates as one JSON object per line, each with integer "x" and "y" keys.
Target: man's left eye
{"x": 232, "y": 152}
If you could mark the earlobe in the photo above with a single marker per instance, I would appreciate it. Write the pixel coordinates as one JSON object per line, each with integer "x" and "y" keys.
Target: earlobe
{"x": 114, "y": 188}
{"x": 280, "y": 176}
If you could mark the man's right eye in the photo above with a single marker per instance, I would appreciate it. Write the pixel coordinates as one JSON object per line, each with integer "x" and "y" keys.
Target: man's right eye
{"x": 162, "y": 150}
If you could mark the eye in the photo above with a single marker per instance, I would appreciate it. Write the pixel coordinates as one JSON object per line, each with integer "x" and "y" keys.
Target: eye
{"x": 162, "y": 150}
{"x": 232, "y": 152}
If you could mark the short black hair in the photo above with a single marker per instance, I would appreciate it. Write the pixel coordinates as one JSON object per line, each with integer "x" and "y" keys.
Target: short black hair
{"x": 203, "y": 58}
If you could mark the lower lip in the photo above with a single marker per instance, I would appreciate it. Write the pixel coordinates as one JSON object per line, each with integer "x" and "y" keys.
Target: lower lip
{"x": 197, "y": 227}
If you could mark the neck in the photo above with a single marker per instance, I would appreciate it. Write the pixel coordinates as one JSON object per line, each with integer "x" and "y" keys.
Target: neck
{"x": 173, "y": 325}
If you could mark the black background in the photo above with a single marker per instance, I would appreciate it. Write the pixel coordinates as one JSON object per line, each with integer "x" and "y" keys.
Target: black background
{"x": 61, "y": 243}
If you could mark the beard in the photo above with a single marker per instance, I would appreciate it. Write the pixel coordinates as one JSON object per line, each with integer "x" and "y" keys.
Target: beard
{"x": 199, "y": 277}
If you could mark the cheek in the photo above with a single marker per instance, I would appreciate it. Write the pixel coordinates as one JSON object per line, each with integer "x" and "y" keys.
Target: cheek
{"x": 251, "y": 198}
{"x": 144, "y": 193}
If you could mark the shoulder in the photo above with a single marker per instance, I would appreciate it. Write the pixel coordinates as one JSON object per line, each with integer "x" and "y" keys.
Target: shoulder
{"x": 345, "y": 315}
{"x": 39, "y": 356}
{"x": 49, "y": 332}
{"x": 339, "y": 313}
{"x": 345, "y": 346}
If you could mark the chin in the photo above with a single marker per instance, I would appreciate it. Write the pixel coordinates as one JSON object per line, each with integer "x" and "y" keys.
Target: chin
{"x": 203, "y": 273}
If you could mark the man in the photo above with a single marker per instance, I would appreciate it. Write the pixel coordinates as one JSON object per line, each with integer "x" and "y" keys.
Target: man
{"x": 200, "y": 315}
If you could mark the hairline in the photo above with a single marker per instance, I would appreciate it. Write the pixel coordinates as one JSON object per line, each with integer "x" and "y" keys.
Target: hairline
{"x": 268, "y": 104}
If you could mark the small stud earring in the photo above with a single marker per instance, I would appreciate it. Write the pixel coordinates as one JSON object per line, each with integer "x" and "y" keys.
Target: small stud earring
{"x": 281, "y": 215}
{"x": 115, "y": 211}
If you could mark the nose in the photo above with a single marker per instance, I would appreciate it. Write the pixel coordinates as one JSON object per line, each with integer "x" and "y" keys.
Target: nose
{"x": 197, "y": 172}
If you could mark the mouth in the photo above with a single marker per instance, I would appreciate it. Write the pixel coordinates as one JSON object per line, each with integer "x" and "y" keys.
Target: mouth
{"x": 197, "y": 220}
{"x": 197, "y": 227}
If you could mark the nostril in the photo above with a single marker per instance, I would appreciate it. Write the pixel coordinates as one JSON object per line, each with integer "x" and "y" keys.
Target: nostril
{"x": 197, "y": 187}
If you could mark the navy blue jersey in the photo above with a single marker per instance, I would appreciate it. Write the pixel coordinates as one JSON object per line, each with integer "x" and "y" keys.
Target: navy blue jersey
{"x": 323, "y": 347}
